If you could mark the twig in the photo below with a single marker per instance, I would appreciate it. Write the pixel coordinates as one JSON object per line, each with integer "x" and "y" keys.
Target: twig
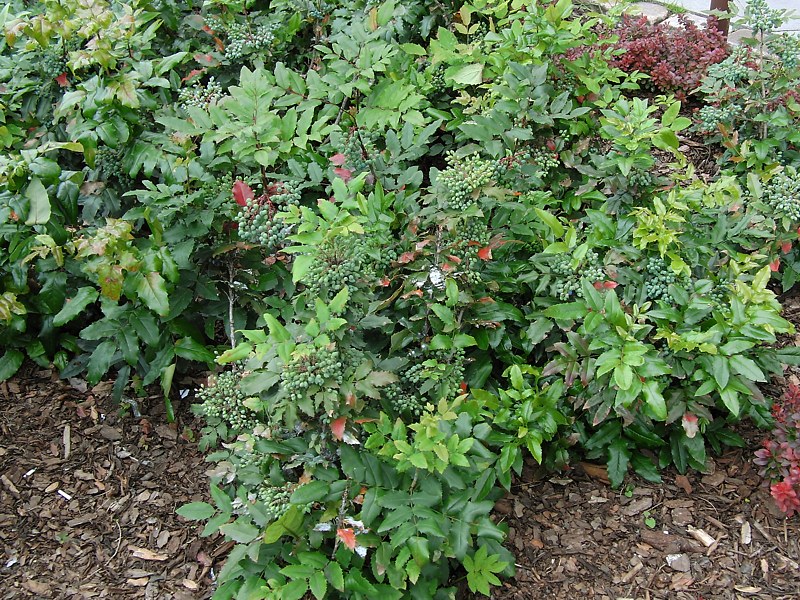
{"x": 119, "y": 542}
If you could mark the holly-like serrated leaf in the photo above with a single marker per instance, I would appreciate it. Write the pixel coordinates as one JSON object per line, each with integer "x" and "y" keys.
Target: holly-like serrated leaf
{"x": 196, "y": 511}
{"x": 39, "y": 211}
{"x": 381, "y": 378}
{"x": 75, "y": 305}
{"x": 10, "y": 363}
{"x": 152, "y": 290}
{"x": 618, "y": 458}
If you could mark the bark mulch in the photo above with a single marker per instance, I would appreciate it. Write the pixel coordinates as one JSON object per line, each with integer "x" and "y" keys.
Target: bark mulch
{"x": 88, "y": 499}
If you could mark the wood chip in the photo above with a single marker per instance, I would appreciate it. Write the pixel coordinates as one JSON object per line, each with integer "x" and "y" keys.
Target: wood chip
{"x": 683, "y": 482}
{"x": 9, "y": 485}
{"x": 746, "y": 533}
{"x": 146, "y": 554}
{"x": 67, "y": 439}
{"x": 190, "y": 585}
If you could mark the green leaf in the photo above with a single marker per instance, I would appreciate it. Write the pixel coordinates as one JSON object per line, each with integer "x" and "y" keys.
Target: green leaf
{"x": 551, "y": 221}
{"x": 294, "y": 590}
{"x": 10, "y": 364}
{"x": 655, "y": 400}
{"x": 623, "y": 376}
{"x": 336, "y": 306}
{"x": 318, "y": 585}
{"x": 240, "y": 352}
{"x": 196, "y": 511}
{"x": 240, "y": 531}
{"x": 152, "y": 290}
{"x": 468, "y": 74}
{"x": 569, "y": 311}
{"x": 39, "y": 211}
{"x": 313, "y": 491}
{"x": 747, "y": 367}
{"x": 302, "y": 263}
{"x": 75, "y": 305}
{"x": 335, "y": 576}
{"x": 645, "y": 468}
{"x": 190, "y": 349}
{"x": 100, "y": 360}
{"x": 618, "y": 457}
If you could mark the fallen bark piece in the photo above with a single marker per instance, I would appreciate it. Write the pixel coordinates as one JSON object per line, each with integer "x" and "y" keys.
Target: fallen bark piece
{"x": 666, "y": 542}
{"x": 679, "y": 562}
{"x": 701, "y": 536}
{"x": 146, "y": 554}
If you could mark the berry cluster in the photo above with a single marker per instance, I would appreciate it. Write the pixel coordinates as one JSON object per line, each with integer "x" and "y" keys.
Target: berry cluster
{"x": 762, "y": 18}
{"x": 243, "y": 39}
{"x": 658, "y": 278}
{"x": 782, "y": 194}
{"x": 469, "y": 237}
{"x": 223, "y": 399}
{"x": 312, "y": 368}
{"x": 786, "y": 48}
{"x": 276, "y": 499}
{"x": 257, "y": 223}
{"x": 108, "y": 162}
{"x": 403, "y": 401}
{"x": 52, "y": 63}
{"x": 568, "y": 278}
{"x": 438, "y": 84}
{"x": 463, "y": 178}
{"x": 640, "y": 179}
{"x": 201, "y": 95}
{"x": 358, "y": 157}
{"x": 339, "y": 261}
{"x": 434, "y": 375}
{"x": 735, "y": 68}
{"x": 710, "y": 117}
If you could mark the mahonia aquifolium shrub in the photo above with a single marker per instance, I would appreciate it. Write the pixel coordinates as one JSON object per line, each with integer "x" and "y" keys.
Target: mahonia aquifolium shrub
{"x": 223, "y": 399}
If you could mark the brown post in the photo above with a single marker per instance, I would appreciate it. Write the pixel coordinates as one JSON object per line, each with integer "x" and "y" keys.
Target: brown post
{"x": 722, "y": 5}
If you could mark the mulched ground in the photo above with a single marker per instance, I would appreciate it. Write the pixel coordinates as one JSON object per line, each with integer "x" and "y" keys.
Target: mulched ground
{"x": 88, "y": 499}
{"x": 87, "y": 503}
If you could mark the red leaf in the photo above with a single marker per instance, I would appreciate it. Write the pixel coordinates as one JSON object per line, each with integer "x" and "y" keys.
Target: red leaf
{"x": 786, "y": 247}
{"x": 206, "y": 59}
{"x": 345, "y": 174}
{"x": 689, "y": 423}
{"x": 610, "y": 285}
{"x": 385, "y": 282}
{"x": 454, "y": 258}
{"x": 338, "y": 160}
{"x": 775, "y": 265}
{"x": 62, "y": 80}
{"x": 463, "y": 387}
{"x": 551, "y": 145}
{"x": 242, "y": 192}
{"x": 347, "y": 536}
{"x": 447, "y": 267}
{"x": 337, "y": 427}
{"x": 192, "y": 74}
{"x": 406, "y": 257}
{"x": 485, "y": 253}
{"x": 598, "y": 285}
{"x": 417, "y": 292}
